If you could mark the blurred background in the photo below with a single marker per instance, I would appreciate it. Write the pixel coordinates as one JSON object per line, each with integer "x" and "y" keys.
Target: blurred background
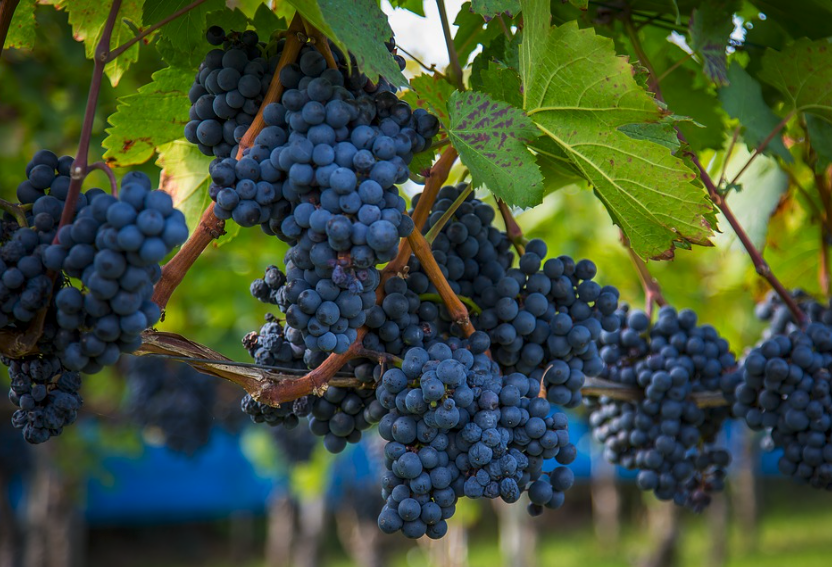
{"x": 163, "y": 469}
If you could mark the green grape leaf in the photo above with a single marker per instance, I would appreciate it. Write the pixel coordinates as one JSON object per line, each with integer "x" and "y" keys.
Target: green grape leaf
{"x": 364, "y": 28}
{"x": 495, "y": 7}
{"x": 579, "y": 94}
{"x": 227, "y": 19}
{"x": 266, "y": 22}
{"x": 432, "y": 93}
{"x": 129, "y": 17}
{"x": 803, "y": 73}
{"x": 580, "y": 4}
{"x": 415, "y": 6}
{"x": 501, "y": 82}
{"x": 21, "y": 34}
{"x": 471, "y": 32}
{"x": 154, "y": 116}
{"x": 820, "y": 135}
{"x": 185, "y": 36}
{"x": 662, "y": 133}
{"x": 710, "y": 28}
{"x": 536, "y": 19}
{"x": 743, "y": 100}
{"x": 491, "y": 137}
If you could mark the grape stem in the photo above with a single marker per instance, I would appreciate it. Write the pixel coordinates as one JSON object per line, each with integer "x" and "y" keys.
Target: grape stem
{"x": 320, "y": 41}
{"x": 448, "y": 215}
{"x": 598, "y": 387}
{"x": 513, "y": 230}
{"x": 291, "y": 49}
{"x": 453, "y": 57}
{"x": 7, "y": 8}
{"x": 762, "y": 267}
{"x": 101, "y": 166}
{"x": 436, "y": 298}
{"x": 14, "y": 344}
{"x": 15, "y": 210}
{"x": 436, "y": 177}
{"x": 80, "y": 166}
{"x": 144, "y": 33}
{"x": 210, "y": 227}
{"x": 274, "y": 388}
{"x": 652, "y": 290}
{"x": 431, "y": 69}
{"x": 759, "y": 149}
{"x": 457, "y": 309}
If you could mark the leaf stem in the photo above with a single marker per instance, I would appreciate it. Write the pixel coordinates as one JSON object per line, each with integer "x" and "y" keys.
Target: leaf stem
{"x": 101, "y": 166}
{"x": 673, "y": 67}
{"x": 80, "y": 167}
{"x": 453, "y": 57}
{"x": 431, "y": 69}
{"x": 16, "y": 210}
{"x": 504, "y": 27}
{"x": 632, "y": 33}
{"x": 513, "y": 230}
{"x": 448, "y": 215}
{"x": 763, "y": 145}
{"x": 144, "y": 33}
{"x": 457, "y": 309}
{"x": 762, "y": 267}
{"x": 7, "y": 8}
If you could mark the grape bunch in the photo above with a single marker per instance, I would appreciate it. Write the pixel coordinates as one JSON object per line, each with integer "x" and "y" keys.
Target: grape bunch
{"x": 543, "y": 318}
{"x": 171, "y": 398}
{"x": 665, "y": 435}
{"x": 46, "y": 395}
{"x": 785, "y": 389}
{"x": 322, "y": 176}
{"x": 269, "y": 346}
{"x": 228, "y": 90}
{"x": 114, "y": 247}
{"x": 456, "y": 428}
{"x": 402, "y": 320}
{"x": 780, "y": 319}
{"x": 25, "y": 286}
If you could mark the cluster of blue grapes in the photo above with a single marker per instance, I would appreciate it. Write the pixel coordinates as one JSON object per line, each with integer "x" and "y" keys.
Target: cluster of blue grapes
{"x": 46, "y": 395}
{"x": 665, "y": 435}
{"x": 114, "y": 247}
{"x": 172, "y": 399}
{"x": 456, "y": 428}
{"x": 472, "y": 254}
{"x": 543, "y": 317}
{"x": 322, "y": 176}
{"x": 269, "y": 346}
{"x": 785, "y": 389}
{"x": 228, "y": 90}
{"x": 402, "y": 320}
{"x": 25, "y": 287}
{"x": 781, "y": 321}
